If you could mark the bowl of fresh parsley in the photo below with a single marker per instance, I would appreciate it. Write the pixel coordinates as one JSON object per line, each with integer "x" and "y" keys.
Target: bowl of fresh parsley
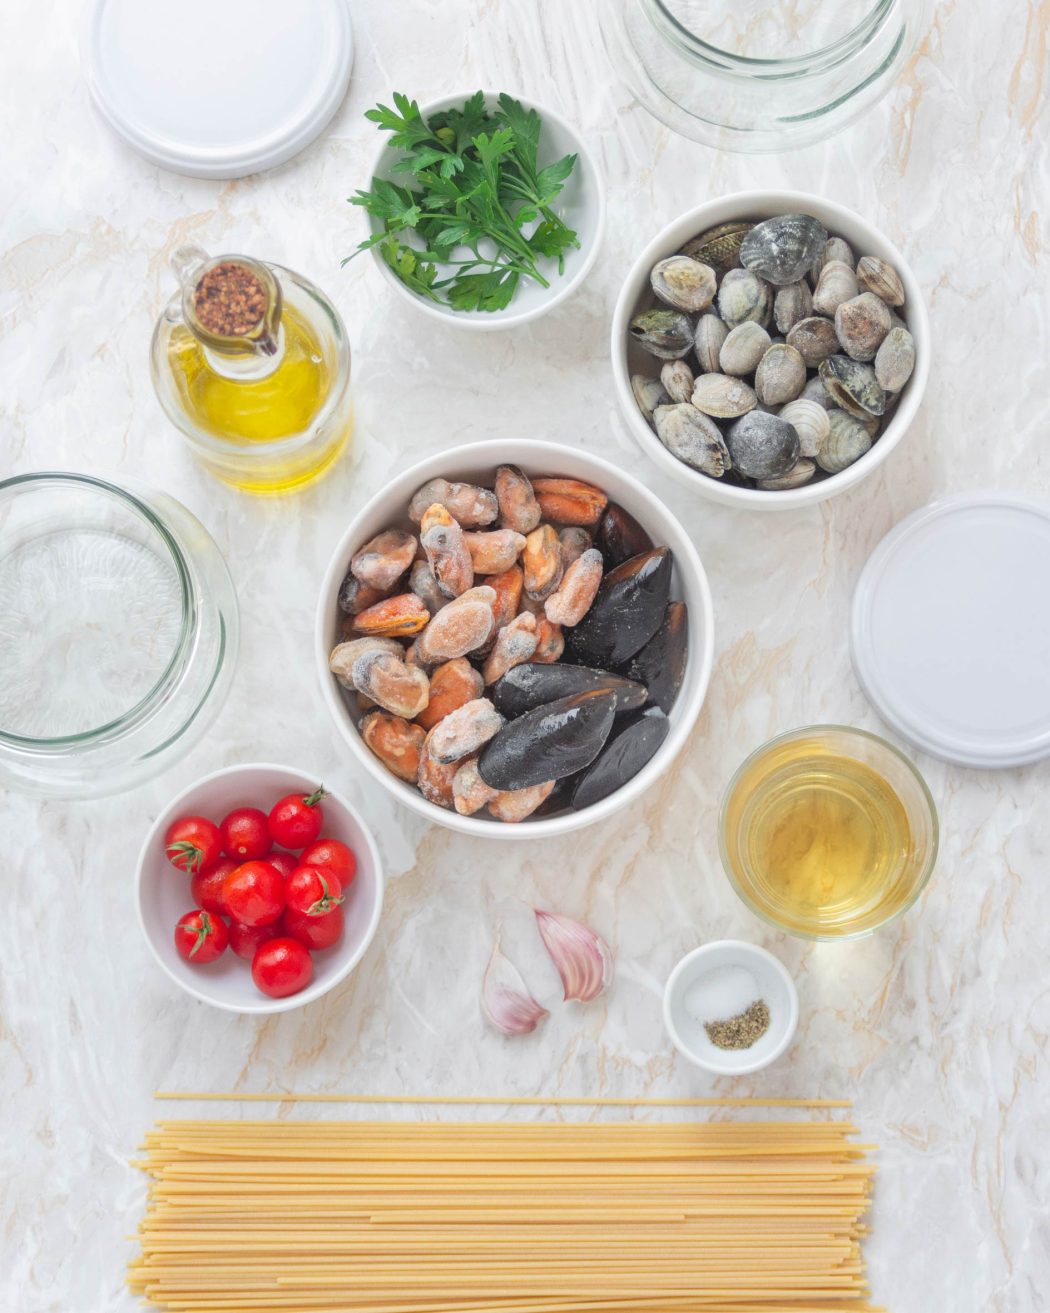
{"x": 483, "y": 210}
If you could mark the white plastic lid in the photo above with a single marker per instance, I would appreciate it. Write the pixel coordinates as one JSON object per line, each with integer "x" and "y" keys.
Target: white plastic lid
{"x": 218, "y": 88}
{"x": 951, "y": 629}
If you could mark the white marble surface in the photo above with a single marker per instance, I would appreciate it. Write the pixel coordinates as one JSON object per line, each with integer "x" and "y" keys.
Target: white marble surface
{"x": 937, "y": 1027}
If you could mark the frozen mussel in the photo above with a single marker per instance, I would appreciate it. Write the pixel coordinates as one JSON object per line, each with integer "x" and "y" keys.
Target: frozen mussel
{"x": 532, "y": 685}
{"x": 515, "y": 642}
{"x": 444, "y": 542}
{"x": 762, "y": 446}
{"x": 464, "y": 731}
{"x": 518, "y": 507}
{"x": 570, "y": 501}
{"x": 666, "y": 334}
{"x": 579, "y": 584}
{"x": 382, "y": 561}
{"x": 684, "y": 283}
{"x": 620, "y": 536}
{"x": 471, "y": 506}
{"x": 626, "y": 613}
{"x": 549, "y": 742}
{"x": 693, "y": 437}
{"x": 631, "y": 745}
{"x": 782, "y": 249}
{"x": 659, "y": 666}
{"x": 574, "y": 540}
{"x": 397, "y": 742}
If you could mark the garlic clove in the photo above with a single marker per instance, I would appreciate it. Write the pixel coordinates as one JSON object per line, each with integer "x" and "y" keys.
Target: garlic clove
{"x": 505, "y": 999}
{"x": 583, "y": 958}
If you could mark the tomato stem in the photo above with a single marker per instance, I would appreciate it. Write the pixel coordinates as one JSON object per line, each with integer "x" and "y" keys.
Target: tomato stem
{"x": 189, "y": 852}
{"x": 326, "y": 902}
{"x": 203, "y": 931}
{"x": 312, "y": 799}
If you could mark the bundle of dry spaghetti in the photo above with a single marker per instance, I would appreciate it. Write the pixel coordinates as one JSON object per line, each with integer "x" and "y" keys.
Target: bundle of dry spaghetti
{"x": 529, "y": 1217}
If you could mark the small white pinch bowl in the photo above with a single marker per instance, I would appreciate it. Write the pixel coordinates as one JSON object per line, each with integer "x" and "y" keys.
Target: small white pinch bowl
{"x": 163, "y": 893}
{"x": 476, "y": 463}
{"x": 775, "y": 986}
{"x": 581, "y": 204}
{"x": 636, "y": 296}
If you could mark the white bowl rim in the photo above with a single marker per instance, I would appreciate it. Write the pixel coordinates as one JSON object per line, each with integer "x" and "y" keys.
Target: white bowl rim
{"x": 495, "y": 452}
{"x": 744, "y": 950}
{"x": 315, "y": 990}
{"x": 781, "y": 202}
{"x": 477, "y": 321}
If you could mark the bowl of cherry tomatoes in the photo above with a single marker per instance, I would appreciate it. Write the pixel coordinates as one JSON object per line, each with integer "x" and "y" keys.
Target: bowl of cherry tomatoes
{"x": 258, "y": 889}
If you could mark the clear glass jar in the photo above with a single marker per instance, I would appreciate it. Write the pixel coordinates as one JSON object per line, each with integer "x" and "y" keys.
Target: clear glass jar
{"x": 118, "y": 634}
{"x": 265, "y": 407}
{"x": 760, "y": 75}
{"x": 828, "y": 832}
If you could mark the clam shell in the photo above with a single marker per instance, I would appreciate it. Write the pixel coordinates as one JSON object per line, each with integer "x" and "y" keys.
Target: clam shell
{"x": 800, "y": 473}
{"x": 720, "y": 246}
{"x": 895, "y": 359}
{"x": 649, "y": 393}
{"x": 696, "y": 440}
{"x": 847, "y": 441}
{"x": 722, "y": 396}
{"x": 677, "y": 378}
{"x": 792, "y": 303}
{"x": 810, "y": 421}
{"x": 835, "y": 248}
{"x": 861, "y": 325}
{"x": 817, "y": 392}
{"x": 743, "y": 348}
{"x": 744, "y": 297}
{"x": 783, "y": 248}
{"x": 711, "y": 332}
{"x": 814, "y": 339}
{"x": 837, "y": 283}
{"x": 853, "y": 386}
{"x": 684, "y": 283}
{"x": 762, "y": 446}
{"x": 666, "y": 334}
{"x": 876, "y": 276}
{"x": 780, "y": 376}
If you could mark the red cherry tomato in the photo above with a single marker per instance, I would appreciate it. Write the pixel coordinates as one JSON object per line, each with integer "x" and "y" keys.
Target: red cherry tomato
{"x": 333, "y": 854}
{"x": 254, "y": 893}
{"x": 245, "y": 836}
{"x": 206, "y": 886}
{"x": 314, "y": 932}
{"x": 192, "y": 844}
{"x": 285, "y": 862}
{"x": 281, "y": 967}
{"x": 313, "y": 890}
{"x": 200, "y": 937}
{"x": 245, "y": 939}
{"x": 296, "y": 819}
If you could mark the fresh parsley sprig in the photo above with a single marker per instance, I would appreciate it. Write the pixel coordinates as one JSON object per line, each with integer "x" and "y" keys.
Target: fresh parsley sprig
{"x": 475, "y": 200}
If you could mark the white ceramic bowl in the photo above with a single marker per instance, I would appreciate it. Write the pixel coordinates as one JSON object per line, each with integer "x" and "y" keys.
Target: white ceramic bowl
{"x": 636, "y": 296}
{"x": 476, "y": 464}
{"x": 775, "y": 987}
{"x": 163, "y": 893}
{"x": 581, "y": 205}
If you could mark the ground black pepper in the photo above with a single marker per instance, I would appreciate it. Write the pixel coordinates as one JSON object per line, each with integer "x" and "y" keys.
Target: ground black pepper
{"x": 742, "y": 1031}
{"x": 229, "y": 300}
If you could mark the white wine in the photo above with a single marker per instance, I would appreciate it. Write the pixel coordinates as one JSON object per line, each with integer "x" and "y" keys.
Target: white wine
{"x": 819, "y": 841}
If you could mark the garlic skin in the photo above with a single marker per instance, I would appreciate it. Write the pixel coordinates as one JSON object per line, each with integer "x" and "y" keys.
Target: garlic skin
{"x": 505, "y": 999}
{"x": 582, "y": 958}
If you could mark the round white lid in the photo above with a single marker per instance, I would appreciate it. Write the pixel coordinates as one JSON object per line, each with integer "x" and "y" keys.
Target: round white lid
{"x": 951, "y": 629}
{"x": 218, "y": 90}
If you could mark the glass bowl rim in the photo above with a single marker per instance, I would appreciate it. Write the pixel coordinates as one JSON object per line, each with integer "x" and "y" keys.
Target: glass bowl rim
{"x": 135, "y": 714}
{"x": 804, "y": 731}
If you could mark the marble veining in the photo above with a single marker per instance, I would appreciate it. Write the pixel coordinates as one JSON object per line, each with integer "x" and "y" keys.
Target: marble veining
{"x": 937, "y": 1027}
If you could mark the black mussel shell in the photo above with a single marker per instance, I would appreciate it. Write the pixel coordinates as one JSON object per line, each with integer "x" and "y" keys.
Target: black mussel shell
{"x": 620, "y": 537}
{"x": 534, "y": 683}
{"x": 660, "y": 665}
{"x": 549, "y": 742}
{"x": 626, "y": 752}
{"x": 625, "y": 614}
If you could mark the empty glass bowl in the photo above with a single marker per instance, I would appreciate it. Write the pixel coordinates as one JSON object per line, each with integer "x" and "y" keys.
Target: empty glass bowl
{"x": 118, "y": 633}
{"x": 760, "y": 75}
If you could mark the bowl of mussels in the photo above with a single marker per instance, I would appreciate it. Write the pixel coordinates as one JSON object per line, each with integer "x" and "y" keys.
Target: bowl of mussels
{"x": 515, "y": 638}
{"x": 770, "y": 348}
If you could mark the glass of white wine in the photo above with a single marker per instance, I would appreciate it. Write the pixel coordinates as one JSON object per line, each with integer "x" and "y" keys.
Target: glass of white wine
{"x": 828, "y": 832}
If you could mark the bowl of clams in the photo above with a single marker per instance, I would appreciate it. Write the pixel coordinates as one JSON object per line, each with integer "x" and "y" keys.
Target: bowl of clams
{"x": 771, "y": 348}
{"x": 515, "y": 638}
